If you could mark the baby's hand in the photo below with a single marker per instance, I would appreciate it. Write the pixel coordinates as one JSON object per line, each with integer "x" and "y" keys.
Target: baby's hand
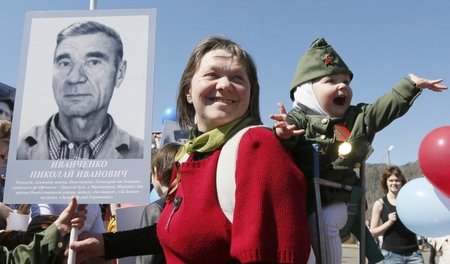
{"x": 422, "y": 83}
{"x": 282, "y": 127}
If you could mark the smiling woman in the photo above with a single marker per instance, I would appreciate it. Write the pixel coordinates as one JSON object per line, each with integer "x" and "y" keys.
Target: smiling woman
{"x": 221, "y": 92}
{"x": 399, "y": 243}
{"x": 219, "y": 96}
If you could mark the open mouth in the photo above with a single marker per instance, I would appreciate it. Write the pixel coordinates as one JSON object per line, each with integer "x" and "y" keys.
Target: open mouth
{"x": 340, "y": 100}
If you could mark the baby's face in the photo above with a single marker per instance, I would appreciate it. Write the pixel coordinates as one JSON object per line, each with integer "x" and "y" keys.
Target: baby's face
{"x": 333, "y": 93}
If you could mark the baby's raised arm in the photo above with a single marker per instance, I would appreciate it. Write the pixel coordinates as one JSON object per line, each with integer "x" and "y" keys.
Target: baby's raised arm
{"x": 423, "y": 83}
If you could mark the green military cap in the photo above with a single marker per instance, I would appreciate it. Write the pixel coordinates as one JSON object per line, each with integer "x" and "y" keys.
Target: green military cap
{"x": 318, "y": 61}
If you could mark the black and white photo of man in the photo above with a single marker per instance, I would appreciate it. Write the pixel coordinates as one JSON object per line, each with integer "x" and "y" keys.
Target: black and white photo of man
{"x": 88, "y": 66}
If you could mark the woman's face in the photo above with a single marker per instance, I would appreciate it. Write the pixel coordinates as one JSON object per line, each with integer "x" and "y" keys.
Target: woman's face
{"x": 333, "y": 93}
{"x": 220, "y": 90}
{"x": 394, "y": 184}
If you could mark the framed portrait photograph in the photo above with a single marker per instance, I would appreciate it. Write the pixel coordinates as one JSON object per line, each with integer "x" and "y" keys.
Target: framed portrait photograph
{"x": 83, "y": 113}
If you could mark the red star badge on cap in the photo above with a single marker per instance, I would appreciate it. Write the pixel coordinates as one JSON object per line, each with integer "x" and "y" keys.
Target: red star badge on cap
{"x": 328, "y": 60}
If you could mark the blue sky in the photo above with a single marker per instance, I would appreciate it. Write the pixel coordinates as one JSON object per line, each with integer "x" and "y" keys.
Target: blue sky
{"x": 381, "y": 41}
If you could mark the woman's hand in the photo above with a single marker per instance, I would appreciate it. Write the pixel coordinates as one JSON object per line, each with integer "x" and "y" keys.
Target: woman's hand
{"x": 392, "y": 217}
{"x": 282, "y": 127}
{"x": 88, "y": 245}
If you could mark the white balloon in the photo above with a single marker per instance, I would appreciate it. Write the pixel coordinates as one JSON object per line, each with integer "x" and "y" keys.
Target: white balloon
{"x": 423, "y": 209}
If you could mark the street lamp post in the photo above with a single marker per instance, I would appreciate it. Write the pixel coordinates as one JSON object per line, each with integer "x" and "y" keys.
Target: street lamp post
{"x": 93, "y": 5}
{"x": 389, "y": 154}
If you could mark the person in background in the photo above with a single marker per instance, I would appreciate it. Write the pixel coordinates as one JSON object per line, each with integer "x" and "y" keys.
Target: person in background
{"x": 441, "y": 244}
{"x": 93, "y": 222}
{"x": 399, "y": 243}
{"x": 7, "y": 96}
{"x": 5, "y": 134}
{"x": 4, "y": 213}
{"x": 218, "y": 97}
{"x": 433, "y": 253}
{"x": 323, "y": 115}
{"x": 49, "y": 244}
{"x": 42, "y": 216}
{"x": 7, "y": 236}
{"x": 6, "y": 109}
{"x": 162, "y": 163}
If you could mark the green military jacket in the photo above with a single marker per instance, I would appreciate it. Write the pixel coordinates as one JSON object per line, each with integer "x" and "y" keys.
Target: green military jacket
{"x": 363, "y": 120}
{"x": 46, "y": 247}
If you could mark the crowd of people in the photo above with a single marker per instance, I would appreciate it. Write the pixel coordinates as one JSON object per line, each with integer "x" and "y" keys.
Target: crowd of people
{"x": 272, "y": 210}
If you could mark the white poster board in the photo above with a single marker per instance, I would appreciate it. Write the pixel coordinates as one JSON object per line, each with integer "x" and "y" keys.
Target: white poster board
{"x": 119, "y": 172}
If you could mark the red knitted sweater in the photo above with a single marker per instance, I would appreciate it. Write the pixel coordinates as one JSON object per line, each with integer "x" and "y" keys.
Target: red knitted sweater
{"x": 269, "y": 222}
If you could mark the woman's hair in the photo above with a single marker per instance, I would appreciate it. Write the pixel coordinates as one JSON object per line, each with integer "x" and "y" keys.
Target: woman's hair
{"x": 5, "y": 128}
{"x": 391, "y": 170}
{"x": 163, "y": 159}
{"x": 185, "y": 110}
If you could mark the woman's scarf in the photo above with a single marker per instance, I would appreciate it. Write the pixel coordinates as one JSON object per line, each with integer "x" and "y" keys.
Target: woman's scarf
{"x": 208, "y": 142}
{"x": 213, "y": 139}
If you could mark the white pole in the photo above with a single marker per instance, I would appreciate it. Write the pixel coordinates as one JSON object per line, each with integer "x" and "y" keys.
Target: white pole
{"x": 389, "y": 154}
{"x": 73, "y": 237}
{"x": 93, "y": 5}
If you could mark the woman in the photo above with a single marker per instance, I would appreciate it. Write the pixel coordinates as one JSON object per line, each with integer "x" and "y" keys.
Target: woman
{"x": 399, "y": 244}
{"x": 218, "y": 96}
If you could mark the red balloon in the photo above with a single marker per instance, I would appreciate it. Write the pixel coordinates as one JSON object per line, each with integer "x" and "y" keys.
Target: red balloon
{"x": 434, "y": 158}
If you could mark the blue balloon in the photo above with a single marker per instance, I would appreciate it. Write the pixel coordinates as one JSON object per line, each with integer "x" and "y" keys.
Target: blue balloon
{"x": 170, "y": 113}
{"x": 423, "y": 209}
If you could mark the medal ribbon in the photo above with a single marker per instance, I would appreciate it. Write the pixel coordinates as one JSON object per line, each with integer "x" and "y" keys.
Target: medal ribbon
{"x": 341, "y": 132}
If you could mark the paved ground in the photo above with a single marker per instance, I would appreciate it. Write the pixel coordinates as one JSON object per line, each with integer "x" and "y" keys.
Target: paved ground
{"x": 350, "y": 254}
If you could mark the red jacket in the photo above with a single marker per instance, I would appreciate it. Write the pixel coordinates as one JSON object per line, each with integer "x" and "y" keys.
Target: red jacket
{"x": 269, "y": 222}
